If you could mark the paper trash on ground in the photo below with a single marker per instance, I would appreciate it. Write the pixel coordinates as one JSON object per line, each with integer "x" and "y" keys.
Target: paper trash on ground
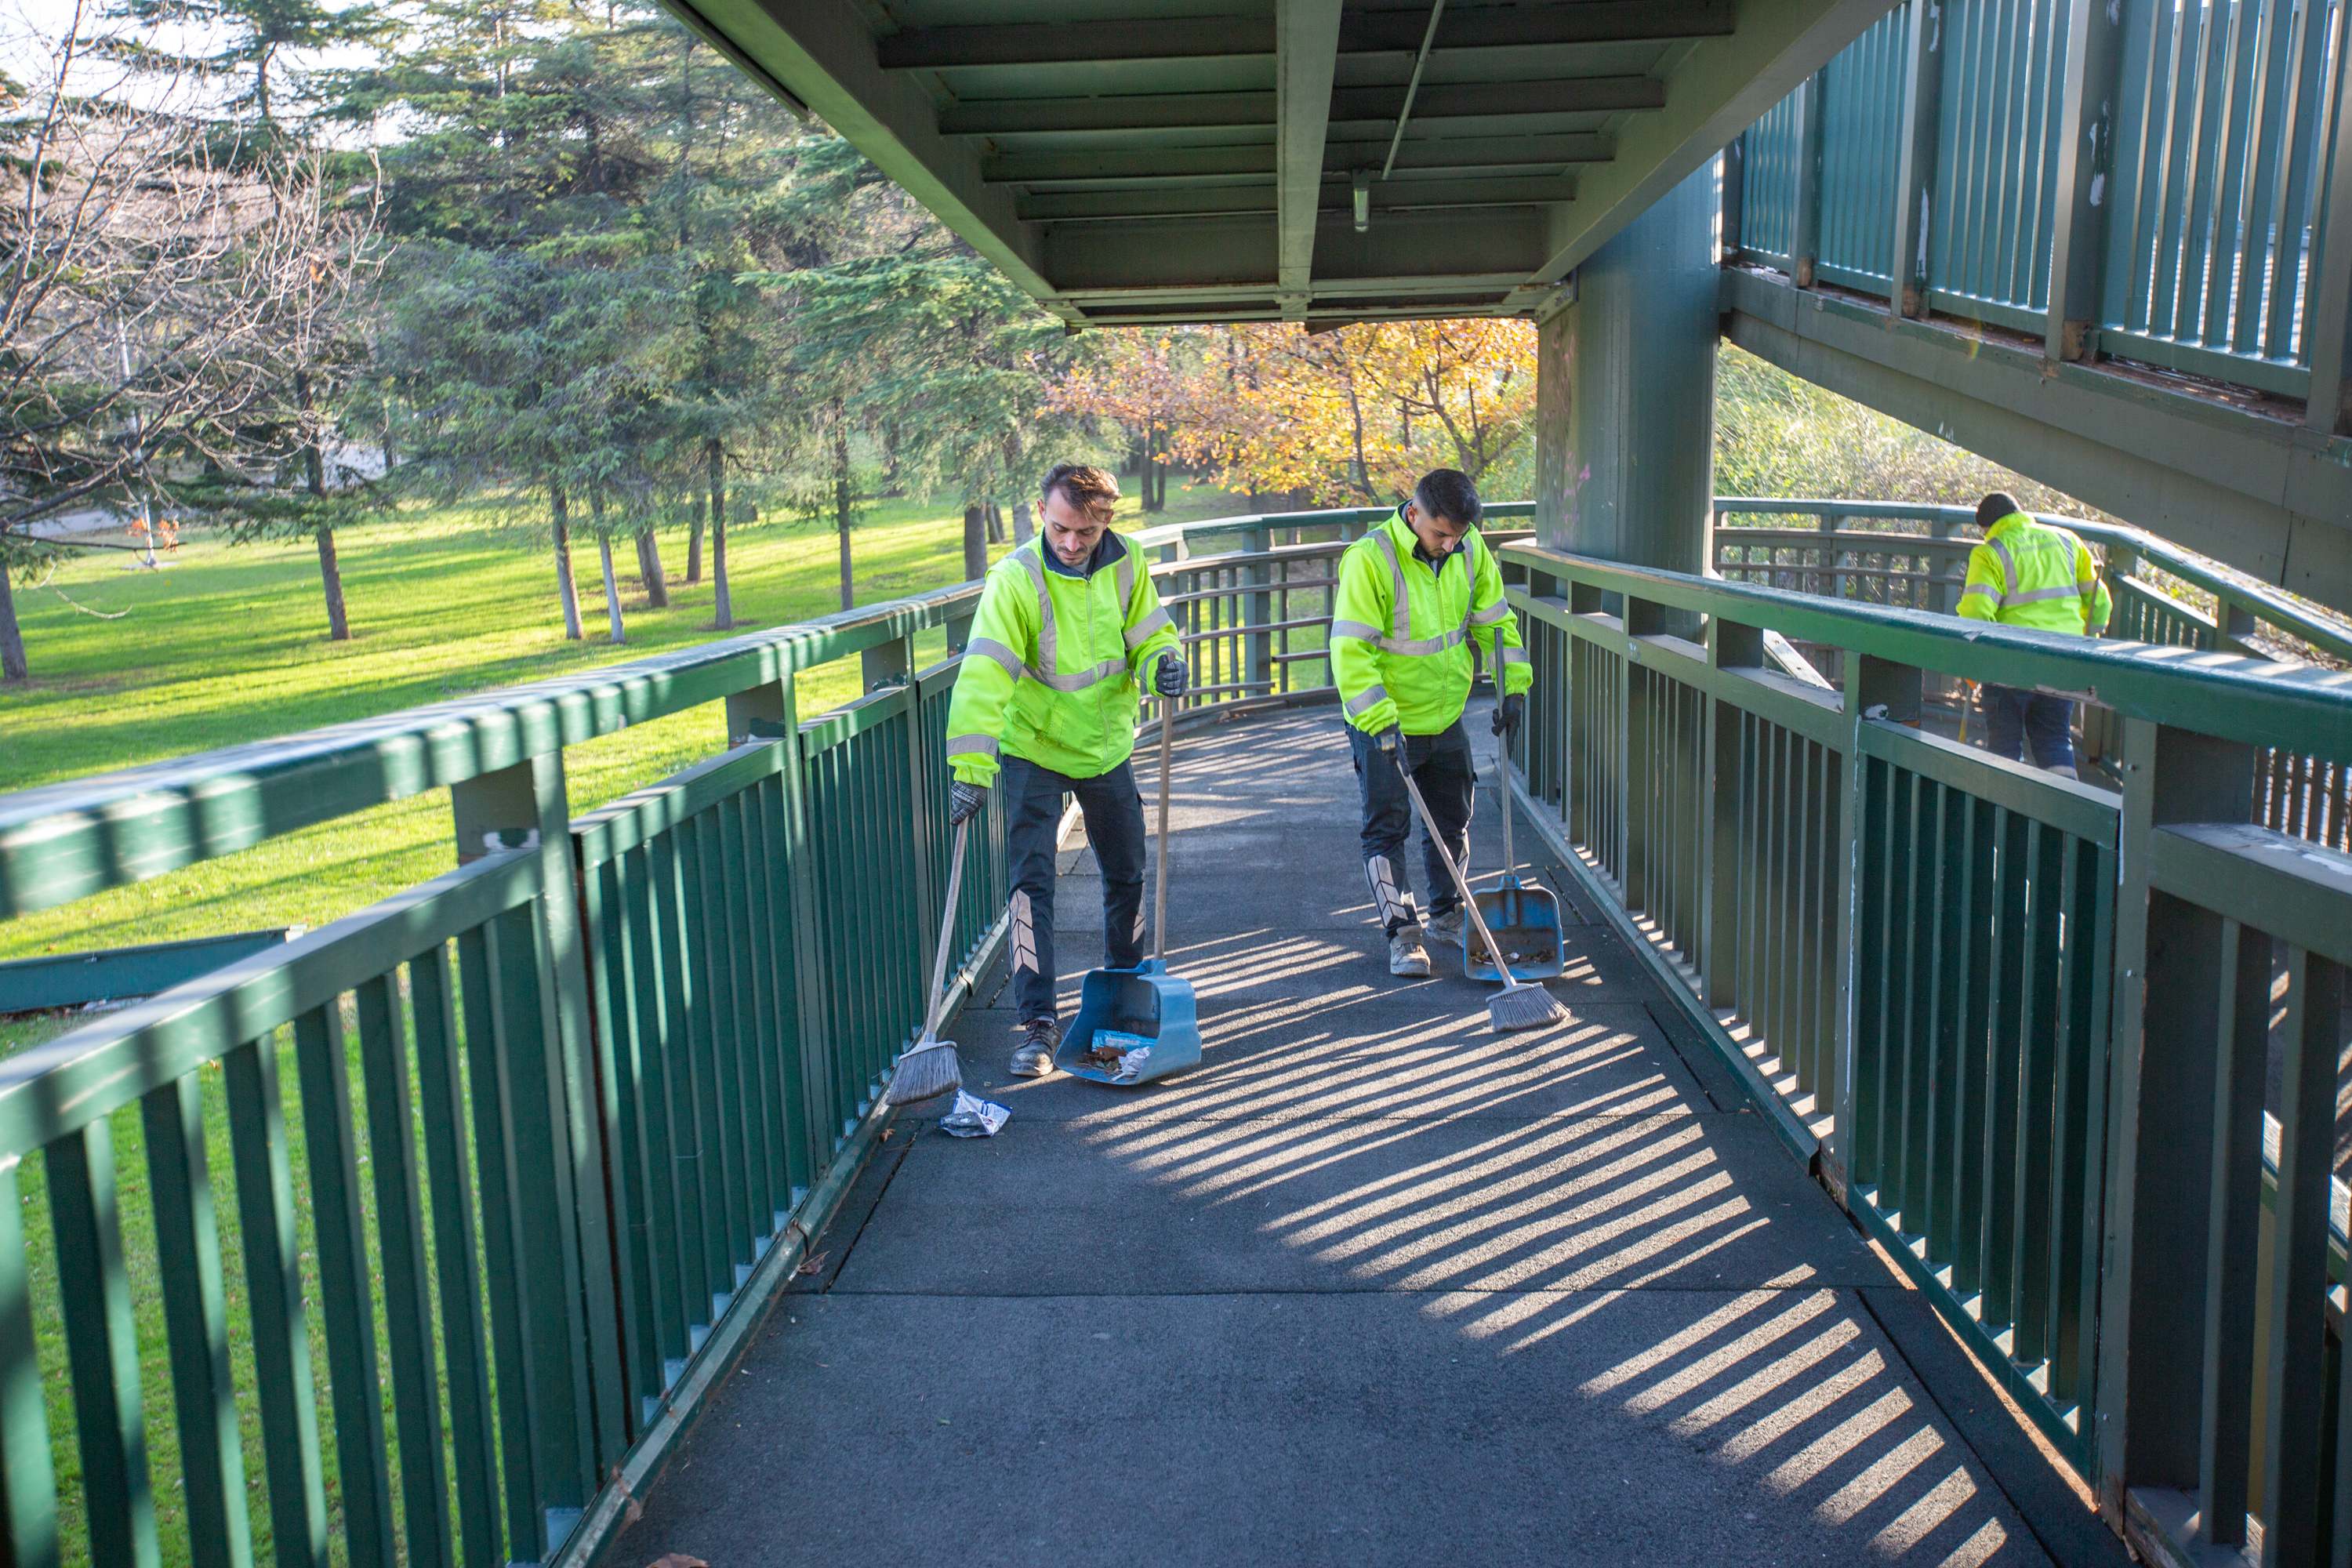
{"x": 973, "y": 1118}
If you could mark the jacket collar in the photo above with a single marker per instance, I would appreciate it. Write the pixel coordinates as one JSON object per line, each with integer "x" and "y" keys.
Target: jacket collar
{"x": 1108, "y": 548}
{"x": 1409, "y": 543}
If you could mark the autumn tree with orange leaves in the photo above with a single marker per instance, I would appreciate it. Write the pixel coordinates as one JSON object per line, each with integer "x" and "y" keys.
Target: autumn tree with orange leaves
{"x": 1354, "y": 414}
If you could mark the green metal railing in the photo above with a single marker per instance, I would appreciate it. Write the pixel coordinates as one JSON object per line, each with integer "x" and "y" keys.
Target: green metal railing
{"x": 1993, "y": 1007}
{"x": 459, "y": 1208}
{"x": 453, "y": 1211}
{"x": 1916, "y": 555}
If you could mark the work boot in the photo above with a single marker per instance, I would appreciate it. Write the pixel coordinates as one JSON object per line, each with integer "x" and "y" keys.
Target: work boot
{"x": 1407, "y": 957}
{"x": 1445, "y": 930}
{"x": 2066, "y": 771}
{"x": 1033, "y": 1057}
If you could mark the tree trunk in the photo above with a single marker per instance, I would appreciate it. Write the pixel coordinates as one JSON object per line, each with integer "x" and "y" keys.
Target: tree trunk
{"x": 841, "y": 505}
{"x": 694, "y": 543}
{"x": 12, "y": 638}
{"x": 564, "y": 587}
{"x": 604, "y": 560}
{"x": 975, "y": 543}
{"x": 995, "y": 523}
{"x": 612, "y": 586}
{"x": 1155, "y": 474}
{"x": 724, "y": 615}
{"x": 649, "y": 569}
{"x": 1022, "y": 528}
{"x": 330, "y": 574}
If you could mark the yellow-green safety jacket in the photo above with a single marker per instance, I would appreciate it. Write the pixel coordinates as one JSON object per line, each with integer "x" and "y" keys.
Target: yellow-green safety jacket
{"x": 1052, "y": 670}
{"x": 1402, "y": 629}
{"x": 2032, "y": 575}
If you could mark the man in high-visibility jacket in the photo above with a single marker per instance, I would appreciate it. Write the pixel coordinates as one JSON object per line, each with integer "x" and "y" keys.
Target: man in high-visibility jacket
{"x": 1403, "y": 623}
{"x": 1068, "y": 630}
{"x": 2032, "y": 575}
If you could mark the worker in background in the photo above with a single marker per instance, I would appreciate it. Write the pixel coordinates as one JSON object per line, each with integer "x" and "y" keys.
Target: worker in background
{"x": 2042, "y": 577}
{"x": 1068, "y": 630}
{"x": 1414, "y": 594}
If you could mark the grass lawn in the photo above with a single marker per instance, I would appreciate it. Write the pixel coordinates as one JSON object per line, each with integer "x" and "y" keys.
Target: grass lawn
{"x": 227, "y": 645}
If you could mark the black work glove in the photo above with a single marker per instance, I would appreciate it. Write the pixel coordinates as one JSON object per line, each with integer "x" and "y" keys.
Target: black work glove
{"x": 1171, "y": 678}
{"x": 966, "y": 801}
{"x": 1507, "y": 714}
{"x": 1391, "y": 740}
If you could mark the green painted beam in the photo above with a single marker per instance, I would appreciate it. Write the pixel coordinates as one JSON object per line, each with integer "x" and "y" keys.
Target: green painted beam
{"x": 1166, "y": 201}
{"x": 1373, "y": 107}
{"x": 1306, "y": 37}
{"x": 1159, "y": 165}
{"x": 2267, "y": 496}
{"x": 1364, "y": 34}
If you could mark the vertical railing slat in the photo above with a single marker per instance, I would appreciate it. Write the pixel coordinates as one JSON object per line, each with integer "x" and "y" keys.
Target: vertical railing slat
{"x": 29, "y": 1481}
{"x": 266, "y": 1224}
{"x": 456, "y": 1235}
{"x": 344, "y": 1275}
{"x": 195, "y": 1320}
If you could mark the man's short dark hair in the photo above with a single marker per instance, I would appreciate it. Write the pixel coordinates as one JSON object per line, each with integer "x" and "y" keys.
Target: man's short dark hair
{"x": 1090, "y": 489}
{"x": 1995, "y": 507}
{"x": 1448, "y": 493}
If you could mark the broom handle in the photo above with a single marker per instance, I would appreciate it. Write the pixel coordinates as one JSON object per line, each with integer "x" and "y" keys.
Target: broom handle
{"x": 947, "y": 932}
{"x": 1503, "y": 789}
{"x": 1469, "y": 904}
{"x": 1160, "y": 895}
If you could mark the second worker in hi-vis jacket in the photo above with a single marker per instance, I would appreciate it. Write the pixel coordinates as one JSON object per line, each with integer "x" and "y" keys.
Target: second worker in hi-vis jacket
{"x": 1402, "y": 626}
{"x": 1068, "y": 632}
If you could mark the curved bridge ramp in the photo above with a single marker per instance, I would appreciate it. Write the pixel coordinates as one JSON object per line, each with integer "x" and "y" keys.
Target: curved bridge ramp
{"x": 1370, "y": 1285}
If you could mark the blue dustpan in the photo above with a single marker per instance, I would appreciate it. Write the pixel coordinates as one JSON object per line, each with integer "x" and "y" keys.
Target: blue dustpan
{"x": 1146, "y": 1001}
{"x": 1525, "y": 920}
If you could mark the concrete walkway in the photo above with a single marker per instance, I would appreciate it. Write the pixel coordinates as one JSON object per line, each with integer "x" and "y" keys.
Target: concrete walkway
{"x": 1370, "y": 1285}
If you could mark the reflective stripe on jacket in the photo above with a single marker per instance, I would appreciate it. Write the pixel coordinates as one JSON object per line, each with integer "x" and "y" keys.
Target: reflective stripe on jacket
{"x": 2032, "y": 575}
{"x": 1053, "y": 668}
{"x": 1402, "y": 630}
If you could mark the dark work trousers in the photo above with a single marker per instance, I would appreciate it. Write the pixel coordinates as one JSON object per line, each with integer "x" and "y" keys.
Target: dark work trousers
{"x": 1033, "y": 809}
{"x": 1441, "y": 767}
{"x": 2013, "y": 716}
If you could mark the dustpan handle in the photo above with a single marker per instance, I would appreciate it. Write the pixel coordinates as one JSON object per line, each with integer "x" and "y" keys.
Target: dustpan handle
{"x": 1460, "y": 884}
{"x": 1503, "y": 792}
{"x": 1159, "y": 894}
{"x": 947, "y": 931}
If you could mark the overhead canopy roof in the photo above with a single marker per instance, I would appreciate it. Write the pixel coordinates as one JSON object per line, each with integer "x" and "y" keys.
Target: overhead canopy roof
{"x": 1137, "y": 160}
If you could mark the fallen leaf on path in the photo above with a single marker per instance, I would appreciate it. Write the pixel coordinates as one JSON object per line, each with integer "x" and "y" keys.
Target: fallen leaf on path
{"x": 676, "y": 1560}
{"x": 814, "y": 1265}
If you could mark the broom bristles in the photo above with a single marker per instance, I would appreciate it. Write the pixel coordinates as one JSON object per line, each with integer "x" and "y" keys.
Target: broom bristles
{"x": 1523, "y": 1008}
{"x": 926, "y": 1071}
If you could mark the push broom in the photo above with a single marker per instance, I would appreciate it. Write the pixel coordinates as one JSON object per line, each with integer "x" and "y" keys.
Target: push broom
{"x": 1520, "y": 1004}
{"x": 929, "y": 1067}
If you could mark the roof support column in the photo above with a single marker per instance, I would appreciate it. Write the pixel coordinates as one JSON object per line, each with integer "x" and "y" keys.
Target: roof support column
{"x": 1626, "y": 394}
{"x": 1305, "y": 51}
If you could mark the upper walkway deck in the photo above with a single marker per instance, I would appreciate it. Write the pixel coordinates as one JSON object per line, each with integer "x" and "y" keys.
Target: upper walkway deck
{"x": 1369, "y": 1285}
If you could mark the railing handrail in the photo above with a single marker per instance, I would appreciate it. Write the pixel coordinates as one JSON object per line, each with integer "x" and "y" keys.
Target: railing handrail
{"x": 2261, "y": 701}
{"x": 2326, "y": 633}
{"x": 63, "y": 841}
